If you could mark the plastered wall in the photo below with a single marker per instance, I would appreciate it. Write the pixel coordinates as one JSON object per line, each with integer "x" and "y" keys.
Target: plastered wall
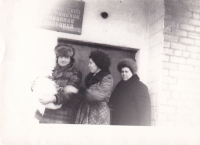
{"x": 154, "y": 51}
{"x": 30, "y": 50}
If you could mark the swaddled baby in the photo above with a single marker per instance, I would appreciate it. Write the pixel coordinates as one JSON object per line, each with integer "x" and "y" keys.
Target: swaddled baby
{"x": 46, "y": 87}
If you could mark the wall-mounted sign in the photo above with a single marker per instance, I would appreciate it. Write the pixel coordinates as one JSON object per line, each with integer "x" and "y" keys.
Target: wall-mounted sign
{"x": 62, "y": 16}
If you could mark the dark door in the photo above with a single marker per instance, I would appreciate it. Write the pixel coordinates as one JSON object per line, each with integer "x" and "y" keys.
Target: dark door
{"x": 83, "y": 50}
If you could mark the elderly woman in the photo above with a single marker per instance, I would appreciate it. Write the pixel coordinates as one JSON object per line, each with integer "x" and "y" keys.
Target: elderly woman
{"x": 67, "y": 79}
{"x": 130, "y": 101}
{"x": 97, "y": 91}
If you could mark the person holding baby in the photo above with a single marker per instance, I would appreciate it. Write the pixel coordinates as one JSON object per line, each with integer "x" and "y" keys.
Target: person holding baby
{"x": 67, "y": 80}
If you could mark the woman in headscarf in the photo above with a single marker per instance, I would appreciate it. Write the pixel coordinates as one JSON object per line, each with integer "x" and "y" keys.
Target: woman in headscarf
{"x": 130, "y": 100}
{"x": 97, "y": 91}
{"x": 67, "y": 79}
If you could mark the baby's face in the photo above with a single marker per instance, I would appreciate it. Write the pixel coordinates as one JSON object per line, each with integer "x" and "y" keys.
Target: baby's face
{"x": 57, "y": 87}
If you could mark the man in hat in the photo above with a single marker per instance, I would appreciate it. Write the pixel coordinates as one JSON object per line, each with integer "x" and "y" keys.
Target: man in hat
{"x": 68, "y": 80}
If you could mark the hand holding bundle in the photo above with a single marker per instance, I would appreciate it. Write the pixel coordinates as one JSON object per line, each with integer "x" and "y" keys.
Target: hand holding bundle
{"x": 44, "y": 90}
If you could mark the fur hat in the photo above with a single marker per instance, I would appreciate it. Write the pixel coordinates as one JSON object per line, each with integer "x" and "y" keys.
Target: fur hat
{"x": 64, "y": 50}
{"x": 101, "y": 59}
{"x": 130, "y": 63}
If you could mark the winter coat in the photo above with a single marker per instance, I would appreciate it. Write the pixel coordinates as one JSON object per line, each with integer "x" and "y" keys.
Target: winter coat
{"x": 67, "y": 113}
{"x": 130, "y": 103}
{"x": 94, "y": 108}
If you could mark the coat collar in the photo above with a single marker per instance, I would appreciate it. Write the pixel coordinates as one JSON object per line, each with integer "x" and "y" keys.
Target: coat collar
{"x": 132, "y": 80}
{"x": 93, "y": 79}
{"x": 58, "y": 71}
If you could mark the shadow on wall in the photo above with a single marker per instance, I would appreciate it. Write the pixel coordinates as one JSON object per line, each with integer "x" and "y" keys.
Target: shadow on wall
{"x": 174, "y": 11}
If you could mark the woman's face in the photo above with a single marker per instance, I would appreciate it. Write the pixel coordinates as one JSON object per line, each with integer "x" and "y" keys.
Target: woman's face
{"x": 93, "y": 67}
{"x": 63, "y": 61}
{"x": 126, "y": 73}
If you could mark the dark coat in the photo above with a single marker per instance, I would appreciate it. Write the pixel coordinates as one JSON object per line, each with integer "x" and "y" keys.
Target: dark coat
{"x": 130, "y": 103}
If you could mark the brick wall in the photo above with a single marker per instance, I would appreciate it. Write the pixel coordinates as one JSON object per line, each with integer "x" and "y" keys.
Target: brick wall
{"x": 155, "y": 36}
{"x": 179, "y": 104}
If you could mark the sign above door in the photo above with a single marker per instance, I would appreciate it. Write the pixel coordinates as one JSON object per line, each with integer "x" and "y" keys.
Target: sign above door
{"x": 62, "y": 16}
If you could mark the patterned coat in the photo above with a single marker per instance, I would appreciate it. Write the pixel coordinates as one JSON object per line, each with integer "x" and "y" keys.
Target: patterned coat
{"x": 70, "y": 103}
{"x": 94, "y": 108}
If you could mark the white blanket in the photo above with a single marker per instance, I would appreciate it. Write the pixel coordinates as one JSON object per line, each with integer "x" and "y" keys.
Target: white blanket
{"x": 45, "y": 87}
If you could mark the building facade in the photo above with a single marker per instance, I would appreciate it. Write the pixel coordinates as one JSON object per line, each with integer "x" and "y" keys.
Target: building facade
{"x": 164, "y": 33}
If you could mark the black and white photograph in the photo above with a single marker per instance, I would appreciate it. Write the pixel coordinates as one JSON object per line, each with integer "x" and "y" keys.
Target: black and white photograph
{"x": 99, "y": 72}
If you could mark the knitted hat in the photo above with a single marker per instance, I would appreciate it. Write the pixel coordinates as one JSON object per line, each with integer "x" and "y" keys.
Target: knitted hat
{"x": 130, "y": 63}
{"x": 64, "y": 50}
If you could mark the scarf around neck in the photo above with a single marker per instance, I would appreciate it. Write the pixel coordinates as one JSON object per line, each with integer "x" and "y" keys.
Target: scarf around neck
{"x": 91, "y": 78}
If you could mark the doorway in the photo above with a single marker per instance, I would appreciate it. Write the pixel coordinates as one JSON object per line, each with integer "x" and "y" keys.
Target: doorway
{"x": 83, "y": 50}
